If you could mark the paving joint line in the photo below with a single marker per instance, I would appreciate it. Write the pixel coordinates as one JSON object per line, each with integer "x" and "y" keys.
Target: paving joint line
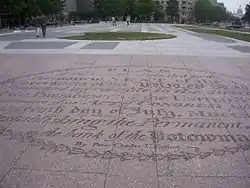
{"x": 191, "y": 176}
{"x": 116, "y": 127}
{"x": 154, "y": 138}
{"x": 57, "y": 171}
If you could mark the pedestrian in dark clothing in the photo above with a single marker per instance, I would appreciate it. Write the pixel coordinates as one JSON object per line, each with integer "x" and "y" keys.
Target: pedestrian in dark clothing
{"x": 128, "y": 19}
{"x": 44, "y": 27}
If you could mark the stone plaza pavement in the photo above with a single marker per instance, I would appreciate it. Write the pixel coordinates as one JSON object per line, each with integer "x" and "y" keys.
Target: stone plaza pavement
{"x": 186, "y": 43}
{"x": 117, "y": 120}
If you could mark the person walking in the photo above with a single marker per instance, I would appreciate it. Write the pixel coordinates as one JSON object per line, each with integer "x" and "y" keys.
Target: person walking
{"x": 128, "y": 19}
{"x": 113, "y": 21}
{"x": 38, "y": 32}
{"x": 44, "y": 27}
{"x": 35, "y": 22}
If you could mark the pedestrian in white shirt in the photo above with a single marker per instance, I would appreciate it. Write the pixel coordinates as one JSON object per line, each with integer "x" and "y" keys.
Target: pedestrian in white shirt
{"x": 128, "y": 19}
{"x": 113, "y": 20}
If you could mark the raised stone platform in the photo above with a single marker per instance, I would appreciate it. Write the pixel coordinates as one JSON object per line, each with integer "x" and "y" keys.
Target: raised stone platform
{"x": 124, "y": 121}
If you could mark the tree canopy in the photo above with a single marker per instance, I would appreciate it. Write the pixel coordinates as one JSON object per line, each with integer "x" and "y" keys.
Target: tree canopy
{"x": 140, "y": 8}
{"x": 113, "y": 7}
{"x": 246, "y": 16}
{"x": 129, "y": 7}
{"x": 172, "y": 9}
{"x": 28, "y": 8}
{"x": 144, "y": 8}
{"x": 205, "y": 11}
{"x": 158, "y": 11}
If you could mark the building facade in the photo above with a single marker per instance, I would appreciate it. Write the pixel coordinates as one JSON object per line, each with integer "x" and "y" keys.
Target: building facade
{"x": 239, "y": 13}
{"x": 78, "y": 5}
{"x": 186, "y": 9}
{"x": 84, "y": 5}
{"x": 71, "y": 5}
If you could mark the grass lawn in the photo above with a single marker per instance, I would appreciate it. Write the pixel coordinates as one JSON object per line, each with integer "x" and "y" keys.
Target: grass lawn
{"x": 230, "y": 34}
{"x": 121, "y": 36}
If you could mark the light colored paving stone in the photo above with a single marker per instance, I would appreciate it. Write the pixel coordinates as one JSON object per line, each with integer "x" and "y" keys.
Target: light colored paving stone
{"x": 165, "y": 61}
{"x": 114, "y": 61}
{"x": 9, "y": 152}
{"x": 204, "y": 182}
{"x": 128, "y": 120}
{"x": 132, "y": 174}
{"x": 35, "y": 178}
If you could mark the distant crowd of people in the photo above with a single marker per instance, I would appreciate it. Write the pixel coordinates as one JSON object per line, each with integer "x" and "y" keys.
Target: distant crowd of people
{"x": 128, "y": 20}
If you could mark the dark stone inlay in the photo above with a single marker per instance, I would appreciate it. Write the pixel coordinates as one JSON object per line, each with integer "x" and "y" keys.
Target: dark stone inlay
{"x": 39, "y": 45}
{"x": 101, "y": 45}
{"x": 244, "y": 49}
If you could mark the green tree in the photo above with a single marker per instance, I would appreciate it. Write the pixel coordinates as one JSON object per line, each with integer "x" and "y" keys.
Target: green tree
{"x": 218, "y": 14}
{"x": 246, "y": 16}
{"x": 18, "y": 7}
{"x": 28, "y": 8}
{"x": 19, "y": 10}
{"x": 50, "y": 7}
{"x": 229, "y": 16}
{"x": 205, "y": 11}
{"x": 172, "y": 9}
{"x": 144, "y": 9}
{"x": 98, "y": 6}
{"x": 103, "y": 8}
{"x": 129, "y": 7}
{"x": 202, "y": 10}
{"x": 159, "y": 11}
{"x": 113, "y": 8}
